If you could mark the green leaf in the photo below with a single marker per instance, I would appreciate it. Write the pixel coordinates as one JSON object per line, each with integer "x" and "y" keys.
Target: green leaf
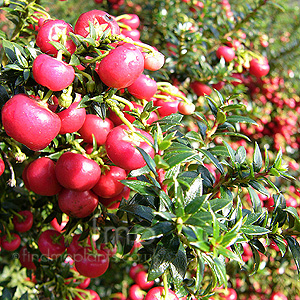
{"x": 256, "y": 203}
{"x": 179, "y": 153}
{"x": 278, "y": 160}
{"x": 213, "y": 159}
{"x": 157, "y": 230}
{"x": 141, "y": 187}
{"x": 194, "y": 205}
{"x": 165, "y": 253}
{"x": 240, "y": 155}
{"x": 178, "y": 266}
{"x": 6, "y": 294}
{"x": 257, "y": 158}
{"x": 195, "y": 137}
{"x": 240, "y": 119}
{"x": 149, "y": 160}
{"x": 259, "y": 187}
{"x": 230, "y": 151}
{"x": 221, "y": 117}
{"x": 228, "y": 133}
{"x": 295, "y": 250}
{"x": 231, "y": 107}
{"x": 218, "y": 151}
{"x": 195, "y": 190}
{"x": 140, "y": 211}
{"x": 254, "y": 230}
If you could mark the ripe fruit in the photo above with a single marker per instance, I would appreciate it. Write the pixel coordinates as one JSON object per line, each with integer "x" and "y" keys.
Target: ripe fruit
{"x": 131, "y": 20}
{"x": 114, "y": 202}
{"x": 29, "y": 122}
{"x": 94, "y": 125}
{"x": 278, "y": 296}
{"x": 56, "y": 31}
{"x": 58, "y": 227}
{"x": 156, "y": 294}
{"x": 134, "y": 34}
{"x": 26, "y": 259}
{"x": 91, "y": 264}
{"x": 93, "y": 295}
{"x": 99, "y": 19}
{"x": 141, "y": 280}
{"x": 2, "y": 166}
{"x": 167, "y": 107}
{"x": 75, "y": 245}
{"x": 51, "y": 243}
{"x": 136, "y": 269}
{"x": 227, "y": 53}
{"x": 229, "y": 294}
{"x": 259, "y": 68}
{"x": 109, "y": 184}
{"x": 41, "y": 178}
{"x": 200, "y": 89}
{"x": 76, "y": 172}
{"x": 121, "y": 67}
{"x": 136, "y": 293}
{"x": 77, "y": 204}
{"x": 121, "y": 146}
{"x": 52, "y": 73}
{"x": 143, "y": 87}
{"x": 72, "y": 118}
{"x": 186, "y": 108}
{"x": 10, "y": 243}
{"x": 23, "y": 225}
{"x": 153, "y": 61}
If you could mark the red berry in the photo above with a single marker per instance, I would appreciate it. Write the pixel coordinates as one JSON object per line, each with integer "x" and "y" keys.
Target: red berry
{"x": 26, "y": 259}
{"x": 77, "y": 204}
{"x": 141, "y": 279}
{"x": 41, "y": 178}
{"x": 109, "y": 184}
{"x": 114, "y": 202}
{"x": 200, "y": 89}
{"x": 77, "y": 172}
{"x": 55, "y": 31}
{"x": 259, "y": 68}
{"x": 29, "y": 122}
{"x": 23, "y": 225}
{"x": 156, "y": 294}
{"x": 2, "y": 166}
{"x": 121, "y": 148}
{"x": 97, "y": 127}
{"x": 97, "y": 18}
{"x": 226, "y": 52}
{"x": 52, "y": 73}
{"x": 72, "y": 118}
{"x": 143, "y": 87}
{"x": 91, "y": 264}
{"x": 51, "y": 243}
{"x": 121, "y": 67}
{"x": 12, "y": 243}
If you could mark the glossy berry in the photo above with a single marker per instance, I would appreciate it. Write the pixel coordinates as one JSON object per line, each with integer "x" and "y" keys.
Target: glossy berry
{"x": 97, "y": 127}
{"x": 52, "y": 73}
{"x": 143, "y": 87}
{"x": 29, "y": 122}
{"x": 91, "y": 264}
{"x": 109, "y": 184}
{"x": 227, "y": 53}
{"x": 131, "y": 20}
{"x": 259, "y": 68}
{"x": 141, "y": 280}
{"x": 98, "y": 19}
{"x": 55, "y": 31}
{"x": 25, "y": 224}
{"x": 154, "y": 60}
{"x": 10, "y": 243}
{"x": 121, "y": 67}
{"x": 114, "y": 202}
{"x": 200, "y": 89}
{"x": 72, "y": 118}
{"x": 2, "y": 166}
{"x": 77, "y": 172}
{"x": 186, "y": 108}
{"x": 156, "y": 294}
{"x": 77, "y": 204}
{"x": 121, "y": 148}
{"x": 41, "y": 178}
{"x": 51, "y": 243}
